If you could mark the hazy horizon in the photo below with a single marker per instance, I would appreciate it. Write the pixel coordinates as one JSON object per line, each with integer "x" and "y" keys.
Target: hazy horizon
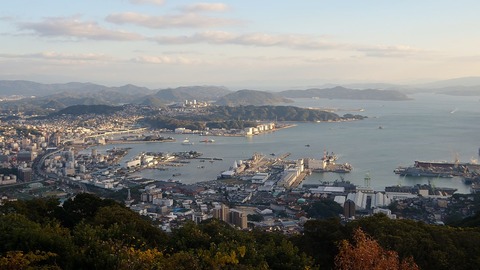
{"x": 239, "y": 44}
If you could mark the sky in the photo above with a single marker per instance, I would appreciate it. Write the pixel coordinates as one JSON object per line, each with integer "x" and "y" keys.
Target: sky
{"x": 263, "y": 44}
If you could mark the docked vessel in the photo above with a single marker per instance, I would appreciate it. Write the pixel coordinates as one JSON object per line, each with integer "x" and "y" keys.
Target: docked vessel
{"x": 424, "y": 189}
{"x": 328, "y": 164}
{"x": 439, "y": 169}
{"x": 421, "y": 172}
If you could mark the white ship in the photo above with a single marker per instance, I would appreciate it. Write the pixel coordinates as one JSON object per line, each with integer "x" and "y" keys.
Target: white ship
{"x": 187, "y": 142}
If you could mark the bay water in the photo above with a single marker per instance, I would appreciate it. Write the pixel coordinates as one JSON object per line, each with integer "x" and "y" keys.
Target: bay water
{"x": 431, "y": 127}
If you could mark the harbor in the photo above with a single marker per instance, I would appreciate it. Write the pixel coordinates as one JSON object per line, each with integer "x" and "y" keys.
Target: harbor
{"x": 361, "y": 143}
{"x": 469, "y": 172}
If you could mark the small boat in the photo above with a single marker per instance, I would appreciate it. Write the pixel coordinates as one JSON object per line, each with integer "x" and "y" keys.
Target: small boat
{"x": 187, "y": 142}
{"x": 307, "y": 145}
{"x": 207, "y": 141}
{"x": 176, "y": 174}
{"x": 173, "y": 181}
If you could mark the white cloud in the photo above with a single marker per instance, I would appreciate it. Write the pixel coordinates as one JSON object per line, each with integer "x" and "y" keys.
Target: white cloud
{"x": 152, "y": 2}
{"x": 166, "y": 60}
{"x": 73, "y": 27}
{"x": 253, "y": 39}
{"x": 218, "y": 7}
{"x": 293, "y": 41}
{"x": 169, "y": 21}
{"x": 466, "y": 58}
{"x": 6, "y": 18}
{"x": 51, "y": 55}
{"x": 391, "y": 51}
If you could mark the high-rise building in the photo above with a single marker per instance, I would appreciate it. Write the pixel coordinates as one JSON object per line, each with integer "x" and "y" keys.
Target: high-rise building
{"x": 199, "y": 217}
{"x": 25, "y": 174}
{"x": 151, "y": 194}
{"x": 238, "y": 218}
{"x": 94, "y": 152}
{"x": 69, "y": 155}
{"x": 25, "y": 156}
{"x": 221, "y": 212}
{"x": 349, "y": 209}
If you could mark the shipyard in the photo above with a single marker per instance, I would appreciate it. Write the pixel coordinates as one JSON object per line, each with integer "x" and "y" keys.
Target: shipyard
{"x": 328, "y": 164}
{"x": 468, "y": 172}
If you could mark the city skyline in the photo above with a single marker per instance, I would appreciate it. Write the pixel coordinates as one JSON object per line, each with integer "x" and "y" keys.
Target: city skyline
{"x": 238, "y": 44}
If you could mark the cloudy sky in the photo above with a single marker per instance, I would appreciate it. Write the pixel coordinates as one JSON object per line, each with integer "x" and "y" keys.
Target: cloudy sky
{"x": 254, "y": 44}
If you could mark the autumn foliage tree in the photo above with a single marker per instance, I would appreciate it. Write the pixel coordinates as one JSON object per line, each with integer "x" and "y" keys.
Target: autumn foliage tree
{"x": 366, "y": 253}
{"x": 18, "y": 260}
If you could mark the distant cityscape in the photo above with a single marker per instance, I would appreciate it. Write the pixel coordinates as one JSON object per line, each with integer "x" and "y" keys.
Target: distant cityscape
{"x": 57, "y": 156}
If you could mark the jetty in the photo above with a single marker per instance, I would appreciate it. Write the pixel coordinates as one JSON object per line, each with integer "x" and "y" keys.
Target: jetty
{"x": 209, "y": 158}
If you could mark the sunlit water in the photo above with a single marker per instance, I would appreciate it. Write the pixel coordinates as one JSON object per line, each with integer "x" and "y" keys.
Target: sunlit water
{"x": 396, "y": 133}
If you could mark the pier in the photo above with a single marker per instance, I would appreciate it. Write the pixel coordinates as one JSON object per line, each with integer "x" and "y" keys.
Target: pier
{"x": 209, "y": 158}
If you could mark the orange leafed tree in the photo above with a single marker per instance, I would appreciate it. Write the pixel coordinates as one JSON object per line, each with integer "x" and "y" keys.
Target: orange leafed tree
{"x": 366, "y": 253}
{"x": 17, "y": 260}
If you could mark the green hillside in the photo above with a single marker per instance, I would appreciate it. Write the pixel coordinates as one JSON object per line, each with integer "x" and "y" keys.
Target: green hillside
{"x": 93, "y": 233}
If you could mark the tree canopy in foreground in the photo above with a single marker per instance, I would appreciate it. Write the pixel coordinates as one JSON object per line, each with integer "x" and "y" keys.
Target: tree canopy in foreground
{"x": 88, "y": 232}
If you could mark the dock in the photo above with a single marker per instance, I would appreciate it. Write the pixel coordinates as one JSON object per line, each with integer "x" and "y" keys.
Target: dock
{"x": 209, "y": 158}
{"x": 299, "y": 179}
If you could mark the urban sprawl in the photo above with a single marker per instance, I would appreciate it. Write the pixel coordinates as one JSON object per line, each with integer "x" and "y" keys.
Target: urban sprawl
{"x": 59, "y": 157}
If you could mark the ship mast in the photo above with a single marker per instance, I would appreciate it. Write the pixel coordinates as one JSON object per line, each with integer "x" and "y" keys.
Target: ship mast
{"x": 367, "y": 180}
{"x": 456, "y": 160}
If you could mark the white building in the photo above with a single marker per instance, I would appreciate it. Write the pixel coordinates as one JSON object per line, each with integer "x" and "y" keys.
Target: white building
{"x": 387, "y": 212}
{"x": 260, "y": 178}
{"x": 378, "y": 199}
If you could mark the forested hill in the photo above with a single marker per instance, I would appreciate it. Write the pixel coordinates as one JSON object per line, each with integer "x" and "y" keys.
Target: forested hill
{"x": 245, "y": 116}
{"x": 251, "y": 97}
{"x": 89, "y": 109}
{"x": 180, "y": 94}
{"x": 272, "y": 113}
{"x": 92, "y": 233}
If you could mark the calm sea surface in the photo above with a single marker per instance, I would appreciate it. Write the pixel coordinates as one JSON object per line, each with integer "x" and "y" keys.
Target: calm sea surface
{"x": 396, "y": 133}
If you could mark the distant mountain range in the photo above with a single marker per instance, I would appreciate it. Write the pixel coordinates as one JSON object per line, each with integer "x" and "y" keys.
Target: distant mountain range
{"x": 346, "y": 93}
{"x": 37, "y": 96}
{"x": 460, "y": 90}
{"x": 203, "y": 93}
{"x": 252, "y": 97}
{"x": 464, "y": 81}
{"x": 28, "y": 88}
